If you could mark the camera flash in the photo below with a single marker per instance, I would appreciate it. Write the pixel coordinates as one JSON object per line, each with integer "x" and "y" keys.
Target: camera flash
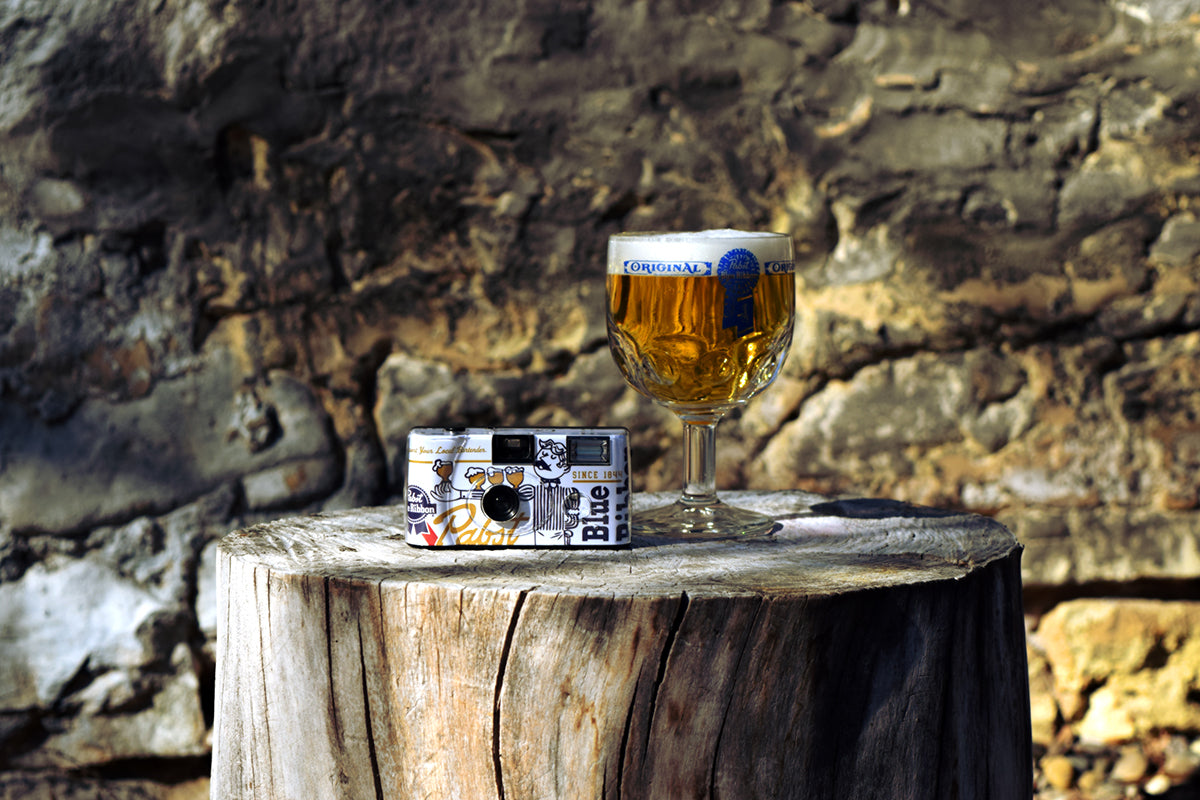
{"x": 588, "y": 450}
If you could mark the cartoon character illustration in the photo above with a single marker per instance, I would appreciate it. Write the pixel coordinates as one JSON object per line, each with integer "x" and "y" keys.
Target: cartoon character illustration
{"x": 555, "y": 509}
{"x": 443, "y": 489}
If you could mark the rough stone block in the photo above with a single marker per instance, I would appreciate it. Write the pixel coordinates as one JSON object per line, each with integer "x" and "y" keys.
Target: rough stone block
{"x": 1124, "y": 668}
{"x": 62, "y": 620}
{"x": 114, "y": 461}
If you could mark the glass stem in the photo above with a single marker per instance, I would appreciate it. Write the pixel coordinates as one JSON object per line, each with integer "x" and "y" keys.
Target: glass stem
{"x": 699, "y": 462}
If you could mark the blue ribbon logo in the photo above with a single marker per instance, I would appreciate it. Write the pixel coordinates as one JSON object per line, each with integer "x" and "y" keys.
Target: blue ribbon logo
{"x": 738, "y": 272}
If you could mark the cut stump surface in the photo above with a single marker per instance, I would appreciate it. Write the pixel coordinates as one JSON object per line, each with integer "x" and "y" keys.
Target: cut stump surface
{"x": 868, "y": 649}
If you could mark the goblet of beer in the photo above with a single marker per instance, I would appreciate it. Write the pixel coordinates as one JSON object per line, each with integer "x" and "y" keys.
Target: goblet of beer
{"x": 700, "y": 323}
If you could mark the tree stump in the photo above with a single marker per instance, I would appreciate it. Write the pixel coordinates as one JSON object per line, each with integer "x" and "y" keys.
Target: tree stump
{"x": 869, "y": 649}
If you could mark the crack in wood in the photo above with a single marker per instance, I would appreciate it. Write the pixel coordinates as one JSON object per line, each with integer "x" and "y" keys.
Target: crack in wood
{"x": 624, "y": 746}
{"x": 504, "y": 654}
{"x": 337, "y": 734}
{"x": 334, "y": 714}
{"x": 668, "y": 646}
{"x": 366, "y": 698}
{"x": 262, "y": 664}
{"x": 733, "y": 686}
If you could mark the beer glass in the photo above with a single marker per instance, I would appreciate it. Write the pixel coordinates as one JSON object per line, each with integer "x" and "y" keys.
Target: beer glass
{"x": 700, "y": 323}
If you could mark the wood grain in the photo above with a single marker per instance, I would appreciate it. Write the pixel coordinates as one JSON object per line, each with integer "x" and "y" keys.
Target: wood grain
{"x": 867, "y": 649}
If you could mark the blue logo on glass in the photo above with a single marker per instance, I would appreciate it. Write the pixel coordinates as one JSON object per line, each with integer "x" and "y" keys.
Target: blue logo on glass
{"x": 738, "y": 272}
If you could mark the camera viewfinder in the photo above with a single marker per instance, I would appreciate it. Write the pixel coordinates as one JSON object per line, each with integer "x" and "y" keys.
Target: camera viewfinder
{"x": 588, "y": 450}
{"x": 512, "y": 448}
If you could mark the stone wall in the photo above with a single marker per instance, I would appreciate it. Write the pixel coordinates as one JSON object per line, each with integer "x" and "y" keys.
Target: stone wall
{"x": 244, "y": 246}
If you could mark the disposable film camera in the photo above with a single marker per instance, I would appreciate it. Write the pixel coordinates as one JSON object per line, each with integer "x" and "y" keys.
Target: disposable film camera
{"x": 518, "y": 487}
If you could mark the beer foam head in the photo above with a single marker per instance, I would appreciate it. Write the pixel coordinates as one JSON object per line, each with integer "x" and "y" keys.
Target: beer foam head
{"x": 698, "y": 253}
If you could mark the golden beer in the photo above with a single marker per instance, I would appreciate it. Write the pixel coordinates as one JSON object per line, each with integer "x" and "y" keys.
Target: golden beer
{"x": 701, "y": 322}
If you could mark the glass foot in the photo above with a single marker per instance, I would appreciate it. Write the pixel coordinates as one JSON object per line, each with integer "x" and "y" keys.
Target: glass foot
{"x": 709, "y": 521}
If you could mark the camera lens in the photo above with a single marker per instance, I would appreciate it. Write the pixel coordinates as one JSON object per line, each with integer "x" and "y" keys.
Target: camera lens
{"x": 501, "y": 503}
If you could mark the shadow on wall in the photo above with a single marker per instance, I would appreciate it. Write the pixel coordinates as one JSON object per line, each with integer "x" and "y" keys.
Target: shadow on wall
{"x": 109, "y": 462}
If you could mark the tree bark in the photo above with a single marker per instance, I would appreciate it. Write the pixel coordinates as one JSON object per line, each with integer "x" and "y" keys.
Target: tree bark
{"x": 868, "y": 649}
